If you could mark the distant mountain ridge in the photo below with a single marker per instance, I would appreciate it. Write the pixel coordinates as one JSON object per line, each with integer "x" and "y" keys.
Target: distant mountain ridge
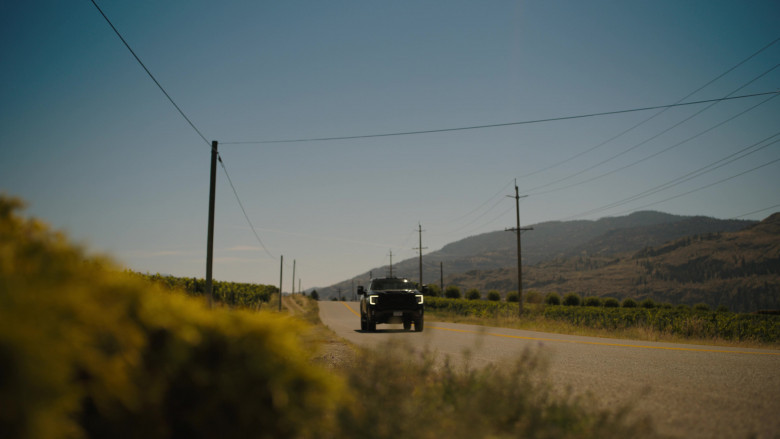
{"x": 740, "y": 270}
{"x": 548, "y": 241}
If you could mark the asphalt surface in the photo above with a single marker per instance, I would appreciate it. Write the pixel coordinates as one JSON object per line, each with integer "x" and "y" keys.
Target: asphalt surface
{"x": 689, "y": 391}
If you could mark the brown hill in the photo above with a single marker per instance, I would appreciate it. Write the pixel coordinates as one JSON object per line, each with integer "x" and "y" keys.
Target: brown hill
{"x": 740, "y": 270}
{"x": 549, "y": 241}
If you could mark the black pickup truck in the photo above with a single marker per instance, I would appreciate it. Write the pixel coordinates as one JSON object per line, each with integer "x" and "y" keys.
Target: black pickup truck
{"x": 391, "y": 300}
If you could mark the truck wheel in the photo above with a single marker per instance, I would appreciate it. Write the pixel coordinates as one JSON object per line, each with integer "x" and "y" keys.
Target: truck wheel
{"x": 363, "y": 324}
{"x": 418, "y": 325}
{"x": 407, "y": 325}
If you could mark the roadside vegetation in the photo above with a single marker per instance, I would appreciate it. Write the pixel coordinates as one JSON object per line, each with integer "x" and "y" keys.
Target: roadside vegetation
{"x": 232, "y": 294}
{"x": 609, "y": 318}
{"x": 87, "y": 350}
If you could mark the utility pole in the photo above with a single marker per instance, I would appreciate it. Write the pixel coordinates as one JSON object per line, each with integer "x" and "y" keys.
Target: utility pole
{"x": 441, "y": 274}
{"x": 293, "y": 279}
{"x": 391, "y": 263}
{"x": 210, "y": 239}
{"x": 281, "y": 273}
{"x": 299, "y": 286}
{"x": 421, "y": 248}
{"x": 518, "y": 230}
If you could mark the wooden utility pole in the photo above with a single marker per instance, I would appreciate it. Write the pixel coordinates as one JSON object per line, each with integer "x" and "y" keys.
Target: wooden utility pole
{"x": 421, "y": 248}
{"x": 293, "y": 279}
{"x": 210, "y": 238}
{"x": 281, "y": 273}
{"x": 391, "y": 263}
{"x": 518, "y": 230}
{"x": 441, "y": 274}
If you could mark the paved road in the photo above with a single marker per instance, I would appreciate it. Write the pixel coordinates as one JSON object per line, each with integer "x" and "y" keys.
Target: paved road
{"x": 688, "y": 390}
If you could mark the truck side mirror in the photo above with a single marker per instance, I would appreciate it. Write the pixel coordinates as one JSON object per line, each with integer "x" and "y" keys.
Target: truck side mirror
{"x": 361, "y": 290}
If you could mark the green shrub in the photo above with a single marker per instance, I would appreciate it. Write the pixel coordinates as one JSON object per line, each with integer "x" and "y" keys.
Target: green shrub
{"x": 473, "y": 294}
{"x": 722, "y": 308}
{"x": 534, "y": 296}
{"x": 432, "y": 290}
{"x": 666, "y": 305}
{"x": 611, "y": 302}
{"x": 452, "y": 292}
{"x": 647, "y": 304}
{"x": 513, "y": 296}
{"x": 629, "y": 303}
{"x": 701, "y": 307}
{"x": 493, "y": 296}
{"x": 682, "y": 307}
{"x": 592, "y": 301}
{"x": 89, "y": 351}
{"x": 571, "y": 299}
{"x": 552, "y": 299}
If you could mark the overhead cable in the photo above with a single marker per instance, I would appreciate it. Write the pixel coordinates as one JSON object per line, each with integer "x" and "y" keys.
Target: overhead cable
{"x": 669, "y": 148}
{"x": 701, "y": 188}
{"x": 241, "y": 205}
{"x": 651, "y": 138}
{"x": 757, "y": 211}
{"x": 495, "y": 125}
{"x": 689, "y": 176}
{"x": 150, "y": 74}
{"x": 637, "y": 125}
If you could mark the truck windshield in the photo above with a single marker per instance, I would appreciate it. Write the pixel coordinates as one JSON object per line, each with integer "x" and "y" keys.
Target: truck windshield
{"x": 391, "y": 284}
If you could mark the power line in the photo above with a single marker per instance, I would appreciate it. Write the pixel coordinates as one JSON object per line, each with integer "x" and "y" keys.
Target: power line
{"x": 150, "y": 74}
{"x": 669, "y": 148}
{"x": 498, "y": 195}
{"x": 609, "y": 159}
{"x": 682, "y": 179}
{"x": 497, "y": 203}
{"x": 495, "y": 125}
{"x": 702, "y": 187}
{"x": 622, "y": 133}
{"x": 757, "y": 211}
{"x": 484, "y": 203}
{"x": 241, "y": 205}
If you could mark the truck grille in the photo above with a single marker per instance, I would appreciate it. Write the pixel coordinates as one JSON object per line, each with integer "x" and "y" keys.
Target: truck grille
{"x": 396, "y": 301}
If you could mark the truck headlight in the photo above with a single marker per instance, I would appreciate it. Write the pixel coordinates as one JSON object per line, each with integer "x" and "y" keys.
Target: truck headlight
{"x": 372, "y": 300}
{"x": 419, "y": 298}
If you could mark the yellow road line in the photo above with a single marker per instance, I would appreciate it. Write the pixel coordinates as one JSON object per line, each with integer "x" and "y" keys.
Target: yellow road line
{"x": 350, "y": 308}
{"x": 595, "y": 343}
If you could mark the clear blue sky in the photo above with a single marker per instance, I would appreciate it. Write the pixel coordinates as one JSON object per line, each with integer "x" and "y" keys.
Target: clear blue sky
{"x": 95, "y": 148}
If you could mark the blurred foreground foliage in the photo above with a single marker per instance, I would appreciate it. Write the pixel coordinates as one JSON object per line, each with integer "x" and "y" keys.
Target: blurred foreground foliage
{"x": 87, "y": 350}
{"x": 412, "y": 394}
{"x": 234, "y": 294}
